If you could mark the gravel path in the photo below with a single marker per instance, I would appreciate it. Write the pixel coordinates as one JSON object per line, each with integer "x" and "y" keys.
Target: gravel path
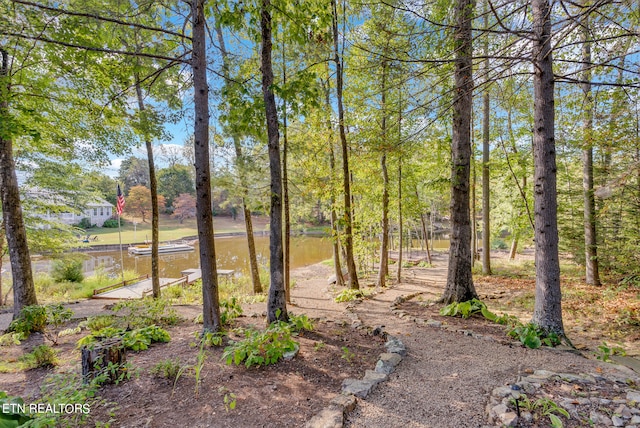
{"x": 446, "y": 378}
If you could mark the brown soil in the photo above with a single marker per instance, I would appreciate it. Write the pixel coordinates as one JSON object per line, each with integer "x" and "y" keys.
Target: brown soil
{"x": 444, "y": 381}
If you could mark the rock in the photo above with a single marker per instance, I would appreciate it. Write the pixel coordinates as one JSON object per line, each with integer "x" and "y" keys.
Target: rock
{"x": 496, "y": 411}
{"x": 434, "y": 323}
{"x": 617, "y": 421}
{"x": 347, "y": 403}
{"x": 623, "y": 411}
{"x": 288, "y": 356}
{"x": 331, "y": 417}
{"x": 542, "y": 374}
{"x": 635, "y": 420}
{"x": 395, "y": 345}
{"x": 509, "y": 419}
{"x": 600, "y": 419}
{"x": 526, "y": 416}
{"x": 527, "y": 387}
{"x": 374, "y": 377}
{"x": 362, "y": 388}
{"x": 504, "y": 391}
{"x": 387, "y": 362}
{"x": 633, "y": 396}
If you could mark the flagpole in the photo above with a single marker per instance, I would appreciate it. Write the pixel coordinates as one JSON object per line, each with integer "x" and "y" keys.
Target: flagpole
{"x": 119, "y": 207}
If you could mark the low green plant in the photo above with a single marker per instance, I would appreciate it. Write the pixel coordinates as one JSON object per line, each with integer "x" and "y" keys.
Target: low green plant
{"x": 69, "y": 331}
{"x": 424, "y": 264}
{"x": 9, "y": 339}
{"x": 230, "y": 309}
{"x": 31, "y": 319}
{"x": 532, "y": 336}
{"x": 57, "y": 315}
{"x": 300, "y": 323}
{"x": 136, "y": 340}
{"x": 260, "y": 348}
{"x": 146, "y": 312}
{"x": 111, "y": 223}
{"x": 99, "y": 322}
{"x": 544, "y": 406}
{"x": 467, "y": 309}
{"x": 41, "y": 356}
{"x": 605, "y": 352}
{"x": 349, "y": 294}
{"x": 67, "y": 269}
{"x": 209, "y": 338}
{"x": 229, "y": 399}
{"x": 347, "y": 355}
{"x": 167, "y": 369}
{"x": 11, "y": 416}
{"x": 197, "y": 368}
{"x": 319, "y": 345}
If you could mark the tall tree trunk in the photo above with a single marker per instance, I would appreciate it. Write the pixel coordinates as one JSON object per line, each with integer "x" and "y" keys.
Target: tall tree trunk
{"x": 590, "y": 241}
{"x": 285, "y": 187}
{"x": 400, "y": 223}
{"x": 241, "y": 165}
{"x": 426, "y": 238}
{"x": 153, "y": 184}
{"x": 486, "y": 208}
{"x": 335, "y": 235}
{"x": 348, "y": 229}
{"x": 24, "y": 292}
{"x": 1, "y": 255}
{"x": 383, "y": 270}
{"x": 204, "y": 214}
{"x": 277, "y": 305}
{"x": 474, "y": 185}
{"x": 460, "y": 286}
{"x": 547, "y": 311}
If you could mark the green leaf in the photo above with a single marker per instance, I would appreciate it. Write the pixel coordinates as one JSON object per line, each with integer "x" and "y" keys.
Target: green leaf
{"x": 555, "y": 421}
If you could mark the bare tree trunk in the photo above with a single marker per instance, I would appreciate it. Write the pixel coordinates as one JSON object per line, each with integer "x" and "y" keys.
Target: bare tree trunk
{"x": 204, "y": 214}
{"x": 285, "y": 188}
{"x": 241, "y": 164}
{"x": 474, "y": 185}
{"x": 590, "y": 241}
{"x": 426, "y": 239}
{"x": 460, "y": 286}
{"x": 1, "y": 255}
{"x": 277, "y": 305}
{"x": 335, "y": 235}
{"x": 486, "y": 208}
{"x": 24, "y": 292}
{"x": 399, "y": 271}
{"x": 383, "y": 270}
{"x": 153, "y": 184}
{"x": 547, "y": 311}
{"x": 514, "y": 248}
{"x": 348, "y": 215}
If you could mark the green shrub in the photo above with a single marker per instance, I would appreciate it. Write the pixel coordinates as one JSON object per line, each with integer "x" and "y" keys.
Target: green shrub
{"x": 136, "y": 340}
{"x": 350, "y": 294}
{"x": 468, "y": 308}
{"x": 498, "y": 244}
{"x": 99, "y": 322}
{"x": 111, "y": 223}
{"x": 41, "y": 356}
{"x": 532, "y": 336}
{"x": 261, "y": 348}
{"x": 31, "y": 319}
{"x": 67, "y": 269}
{"x": 230, "y": 309}
{"x": 168, "y": 369}
{"x": 85, "y": 223}
{"x": 10, "y": 415}
{"x": 146, "y": 312}
{"x": 300, "y": 322}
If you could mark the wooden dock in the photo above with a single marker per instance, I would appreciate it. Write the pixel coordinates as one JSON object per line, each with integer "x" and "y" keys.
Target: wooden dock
{"x": 141, "y": 287}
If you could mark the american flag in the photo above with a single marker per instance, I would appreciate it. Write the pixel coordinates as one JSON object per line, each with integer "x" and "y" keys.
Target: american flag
{"x": 120, "y": 201}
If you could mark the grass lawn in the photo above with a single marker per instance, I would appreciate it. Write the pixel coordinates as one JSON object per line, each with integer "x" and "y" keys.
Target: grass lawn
{"x": 170, "y": 229}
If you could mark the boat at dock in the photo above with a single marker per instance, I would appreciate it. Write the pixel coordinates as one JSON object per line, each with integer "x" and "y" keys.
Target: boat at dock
{"x": 145, "y": 250}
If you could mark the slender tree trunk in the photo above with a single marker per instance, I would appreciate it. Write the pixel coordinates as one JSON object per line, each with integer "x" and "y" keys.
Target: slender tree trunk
{"x": 285, "y": 187}
{"x": 486, "y": 208}
{"x": 383, "y": 270}
{"x": 460, "y": 286}
{"x": 400, "y": 224}
{"x": 153, "y": 184}
{"x": 204, "y": 214}
{"x": 241, "y": 165}
{"x": 335, "y": 235}
{"x": 426, "y": 239}
{"x": 474, "y": 185}
{"x": 24, "y": 292}
{"x": 514, "y": 248}
{"x": 547, "y": 311}
{"x": 1, "y": 255}
{"x": 590, "y": 241}
{"x": 277, "y": 305}
{"x": 348, "y": 229}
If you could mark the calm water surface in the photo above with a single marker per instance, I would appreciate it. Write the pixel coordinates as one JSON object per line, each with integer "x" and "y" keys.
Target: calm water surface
{"x": 231, "y": 253}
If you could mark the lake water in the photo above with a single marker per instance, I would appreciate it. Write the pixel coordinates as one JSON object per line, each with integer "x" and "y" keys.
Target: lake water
{"x": 231, "y": 253}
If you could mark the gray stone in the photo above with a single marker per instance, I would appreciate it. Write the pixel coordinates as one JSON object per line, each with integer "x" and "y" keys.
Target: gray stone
{"x": 388, "y": 362}
{"x": 374, "y": 377}
{"x": 496, "y": 411}
{"x": 357, "y": 387}
{"x": 633, "y": 396}
{"x": 567, "y": 404}
{"x": 288, "y": 356}
{"x": 635, "y": 420}
{"x": 331, "y": 417}
{"x": 623, "y": 411}
{"x": 509, "y": 419}
{"x": 526, "y": 416}
{"x": 347, "y": 403}
{"x": 504, "y": 391}
{"x": 527, "y": 387}
{"x": 605, "y": 401}
{"x": 617, "y": 421}
{"x": 434, "y": 323}
{"x": 600, "y": 419}
{"x": 395, "y": 345}
{"x": 577, "y": 379}
{"x": 542, "y": 374}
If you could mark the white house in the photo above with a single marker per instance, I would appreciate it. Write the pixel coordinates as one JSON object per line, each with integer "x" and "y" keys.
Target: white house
{"x": 97, "y": 213}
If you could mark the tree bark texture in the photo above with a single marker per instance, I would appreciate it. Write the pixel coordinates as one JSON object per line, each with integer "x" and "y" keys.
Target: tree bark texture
{"x": 460, "y": 286}
{"x": 96, "y": 359}
{"x": 285, "y": 188}
{"x": 204, "y": 215}
{"x": 24, "y": 292}
{"x": 590, "y": 236}
{"x": 383, "y": 269}
{"x": 240, "y": 165}
{"x": 486, "y": 193}
{"x": 153, "y": 184}
{"x": 348, "y": 215}
{"x": 335, "y": 234}
{"x": 547, "y": 311}
{"x": 400, "y": 224}
{"x": 276, "y": 306}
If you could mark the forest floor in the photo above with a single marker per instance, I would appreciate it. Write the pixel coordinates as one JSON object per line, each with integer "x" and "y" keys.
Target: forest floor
{"x": 445, "y": 380}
